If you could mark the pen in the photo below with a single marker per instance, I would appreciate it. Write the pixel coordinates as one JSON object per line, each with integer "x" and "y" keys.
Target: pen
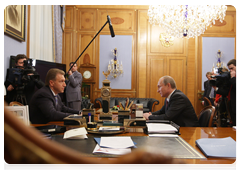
{"x": 89, "y": 117}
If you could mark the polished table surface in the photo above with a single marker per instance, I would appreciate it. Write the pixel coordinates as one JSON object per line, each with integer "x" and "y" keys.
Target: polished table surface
{"x": 189, "y": 134}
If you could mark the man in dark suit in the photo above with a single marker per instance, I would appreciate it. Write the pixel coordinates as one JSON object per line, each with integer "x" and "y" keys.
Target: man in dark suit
{"x": 177, "y": 107}
{"x": 209, "y": 91}
{"x": 46, "y": 104}
{"x": 232, "y": 92}
{"x": 73, "y": 89}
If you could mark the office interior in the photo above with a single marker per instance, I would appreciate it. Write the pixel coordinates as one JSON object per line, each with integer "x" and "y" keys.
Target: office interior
{"x": 149, "y": 59}
{"x": 143, "y": 57}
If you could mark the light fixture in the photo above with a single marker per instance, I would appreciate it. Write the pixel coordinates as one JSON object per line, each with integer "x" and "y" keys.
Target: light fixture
{"x": 114, "y": 67}
{"x": 219, "y": 63}
{"x": 185, "y": 20}
{"x": 166, "y": 40}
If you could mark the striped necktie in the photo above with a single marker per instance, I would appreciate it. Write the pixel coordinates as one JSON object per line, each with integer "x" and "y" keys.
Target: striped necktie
{"x": 56, "y": 100}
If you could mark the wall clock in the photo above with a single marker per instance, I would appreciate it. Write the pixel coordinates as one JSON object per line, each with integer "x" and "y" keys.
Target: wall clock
{"x": 88, "y": 72}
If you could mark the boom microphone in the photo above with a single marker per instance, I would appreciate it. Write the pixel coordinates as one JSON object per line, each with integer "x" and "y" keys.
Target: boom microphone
{"x": 110, "y": 26}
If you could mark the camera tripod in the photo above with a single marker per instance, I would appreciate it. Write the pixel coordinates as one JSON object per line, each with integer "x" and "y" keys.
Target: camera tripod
{"x": 222, "y": 117}
{"x": 20, "y": 96}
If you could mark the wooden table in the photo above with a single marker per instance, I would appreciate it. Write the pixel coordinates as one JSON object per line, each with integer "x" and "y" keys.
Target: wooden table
{"x": 190, "y": 135}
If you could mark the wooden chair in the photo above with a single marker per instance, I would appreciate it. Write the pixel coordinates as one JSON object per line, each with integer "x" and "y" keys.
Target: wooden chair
{"x": 207, "y": 102}
{"x": 24, "y": 144}
{"x": 14, "y": 103}
{"x": 206, "y": 116}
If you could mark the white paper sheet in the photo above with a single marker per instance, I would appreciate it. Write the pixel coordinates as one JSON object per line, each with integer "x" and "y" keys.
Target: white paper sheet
{"x": 111, "y": 151}
{"x": 163, "y": 135}
{"x": 117, "y": 142}
{"x": 78, "y": 133}
{"x": 161, "y": 128}
{"x": 109, "y": 128}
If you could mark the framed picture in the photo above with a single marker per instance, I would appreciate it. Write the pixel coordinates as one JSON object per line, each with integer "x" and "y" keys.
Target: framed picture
{"x": 21, "y": 112}
{"x": 14, "y": 21}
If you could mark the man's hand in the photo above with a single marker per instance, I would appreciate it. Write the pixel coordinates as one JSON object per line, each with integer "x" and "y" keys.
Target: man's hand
{"x": 146, "y": 115}
{"x": 232, "y": 73}
{"x": 10, "y": 88}
{"x": 70, "y": 73}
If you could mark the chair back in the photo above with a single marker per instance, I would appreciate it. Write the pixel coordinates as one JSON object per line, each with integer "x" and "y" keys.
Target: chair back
{"x": 206, "y": 116}
{"x": 207, "y": 102}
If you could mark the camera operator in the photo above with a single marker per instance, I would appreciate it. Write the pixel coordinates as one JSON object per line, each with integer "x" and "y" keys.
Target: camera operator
{"x": 232, "y": 92}
{"x": 21, "y": 91}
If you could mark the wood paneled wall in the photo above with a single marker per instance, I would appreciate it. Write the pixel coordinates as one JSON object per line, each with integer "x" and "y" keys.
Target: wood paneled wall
{"x": 150, "y": 59}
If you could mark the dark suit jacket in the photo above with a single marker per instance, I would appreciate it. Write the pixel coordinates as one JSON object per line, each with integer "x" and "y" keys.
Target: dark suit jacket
{"x": 179, "y": 110}
{"x": 207, "y": 90}
{"x": 73, "y": 89}
{"x": 43, "y": 109}
{"x": 233, "y": 100}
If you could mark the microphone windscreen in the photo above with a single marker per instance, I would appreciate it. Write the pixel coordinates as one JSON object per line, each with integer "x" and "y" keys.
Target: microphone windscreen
{"x": 110, "y": 26}
{"x": 111, "y": 31}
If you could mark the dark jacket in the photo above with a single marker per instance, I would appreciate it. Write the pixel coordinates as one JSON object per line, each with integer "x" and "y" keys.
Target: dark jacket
{"x": 179, "y": 110}
{"x": 233, "y": 100}
{"x": 43, "y": 109}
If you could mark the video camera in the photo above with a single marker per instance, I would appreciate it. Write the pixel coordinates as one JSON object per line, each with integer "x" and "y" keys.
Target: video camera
{"x": 20, "y": 76}
{"x": 221, "y": 81}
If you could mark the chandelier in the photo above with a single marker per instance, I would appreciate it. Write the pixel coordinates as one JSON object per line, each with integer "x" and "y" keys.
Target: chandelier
{"x": 185, "y": 20}
{"x": 113, "y": 67}
{"x": 166, "y": 40}
{"x": 219, "y": 63}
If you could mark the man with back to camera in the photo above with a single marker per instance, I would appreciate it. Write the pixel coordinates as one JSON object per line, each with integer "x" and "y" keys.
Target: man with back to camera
{"x": 73, "y": 89}
{"x": 46, "y": 104}
{"x": 232, "y": 92}
{"x": 209, "y": 91}
{"x": 28, "y": 88}
{"x": 177, "y": 107}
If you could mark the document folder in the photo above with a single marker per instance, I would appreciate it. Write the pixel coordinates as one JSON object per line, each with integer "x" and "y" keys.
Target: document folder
{"x": 217, "y": 147}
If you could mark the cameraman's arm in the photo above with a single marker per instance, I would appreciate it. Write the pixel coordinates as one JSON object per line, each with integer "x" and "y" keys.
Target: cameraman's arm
{"x": 233, "y": 82}
{"x": 39, "y": 83}
{"x": 10, "y": 88}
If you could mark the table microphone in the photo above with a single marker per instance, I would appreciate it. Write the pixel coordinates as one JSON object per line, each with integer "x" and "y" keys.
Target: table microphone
{"x": 110, "y": 26}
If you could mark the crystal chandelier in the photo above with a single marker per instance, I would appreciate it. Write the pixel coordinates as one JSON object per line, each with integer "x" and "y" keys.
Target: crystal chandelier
{"x": 185, "y": 20}
{"x": 219, "y": 63}
{"x": 113, "y": 67}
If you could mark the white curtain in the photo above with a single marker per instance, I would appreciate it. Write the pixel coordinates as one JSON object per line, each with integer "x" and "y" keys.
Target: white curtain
{"x": 41, "y": 33}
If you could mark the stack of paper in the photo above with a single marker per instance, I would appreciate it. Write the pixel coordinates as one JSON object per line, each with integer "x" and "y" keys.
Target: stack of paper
{"x": 113, "y": 145}
{"x": 78, "y": 133}
{"x": 161, "y": 129}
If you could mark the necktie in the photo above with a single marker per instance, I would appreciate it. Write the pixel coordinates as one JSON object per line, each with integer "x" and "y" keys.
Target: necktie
{"x": 166, "y": 104}
{"x": 56, "y": 100}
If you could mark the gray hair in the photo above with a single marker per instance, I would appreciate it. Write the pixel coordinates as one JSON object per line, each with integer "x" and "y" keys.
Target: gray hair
{"x": 169, "y": 79}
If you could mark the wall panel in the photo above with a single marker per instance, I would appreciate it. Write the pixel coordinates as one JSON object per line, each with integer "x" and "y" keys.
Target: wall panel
{"x": 86, "y": 20}
{"x": 228, "y": 25}
{"x": 156, "y": 46}
{"x": 156, "y": 70}
{"x": 176, "y": 68}
{"x": 70, "y": 18}
{"x": 68, "y": 47}
{"x": 83, "y": 40}
{"x": 123, "y": 20}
